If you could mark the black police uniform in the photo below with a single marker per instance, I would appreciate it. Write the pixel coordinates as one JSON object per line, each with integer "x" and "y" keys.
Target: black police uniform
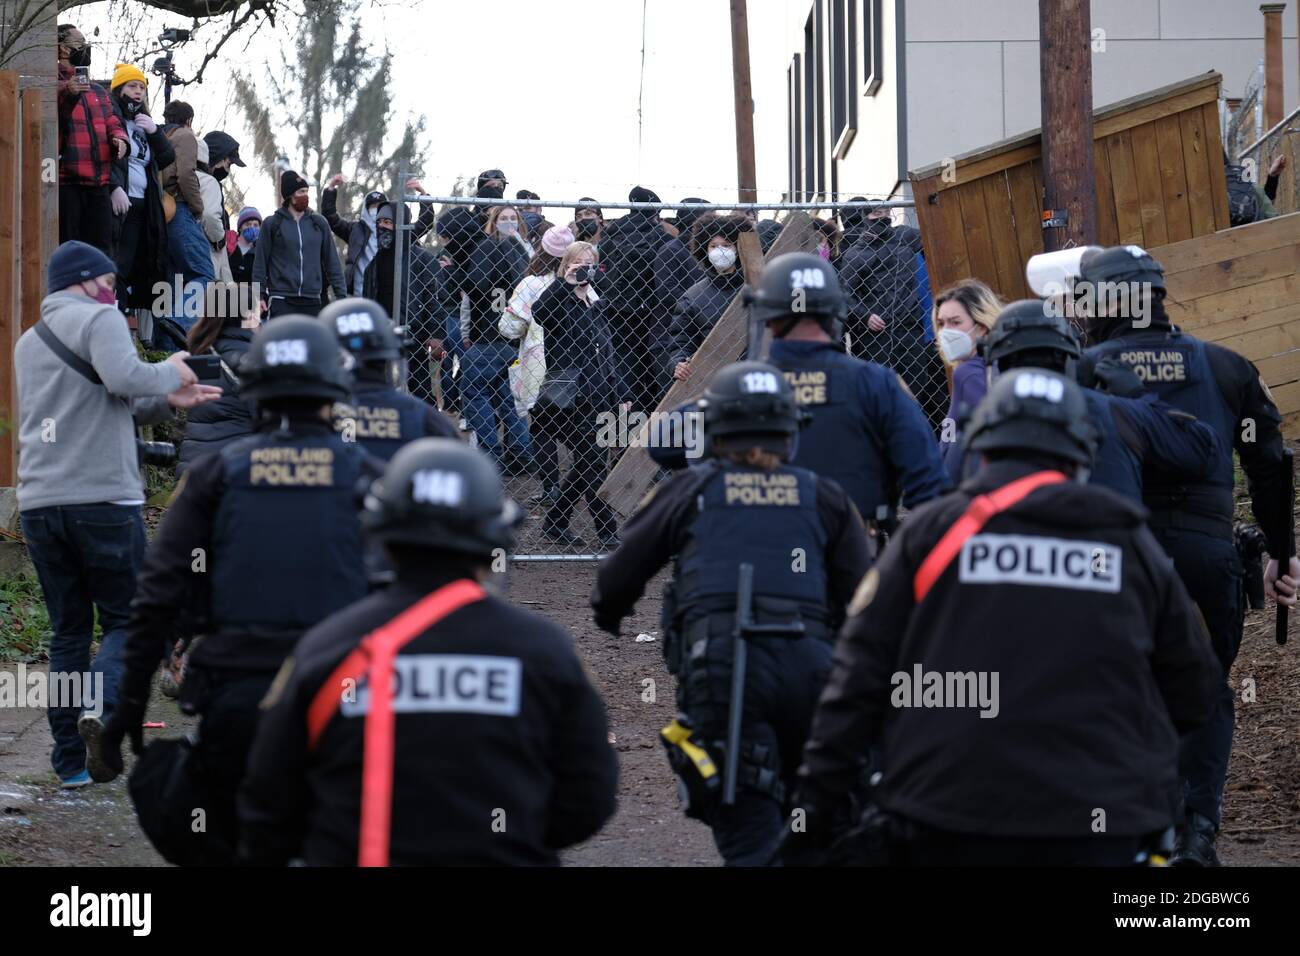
{"x": 809, "y": 550}
{"x": 261, "y": 542}
{"x": 502, "y": 755}
{"x": 867, "y": 432}
{"x": 1096, "y": 672}
{"x": 1193, "y": 518}
{"x": 492, "y": 748}
{"x": 381, "y": 419}
{"x": 1023, "y": 656}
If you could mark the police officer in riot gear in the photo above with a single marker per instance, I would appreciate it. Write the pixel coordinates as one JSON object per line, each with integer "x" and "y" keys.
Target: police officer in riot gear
{"x": 808, "y": 549}
{"x": 489, "y": 745}
{"x": 1193, "y": 517}
{"x": 1133, "y": 425}
{"x": 379, "y": 417}
{"x": 1022, "y": 655}
{"x": 261, "y": 542}
{"x": 867, "y": 431}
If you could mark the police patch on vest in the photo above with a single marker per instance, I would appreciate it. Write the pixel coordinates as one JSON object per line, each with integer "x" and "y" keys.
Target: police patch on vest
{"x": 447, "y": 684}
{"x": 757, "y": 488}
{"x": 291, "y": 467}
{"x": 1045, "y": 562}
{"x": 1156, "y": 365}
{"x": 810, "y": 386}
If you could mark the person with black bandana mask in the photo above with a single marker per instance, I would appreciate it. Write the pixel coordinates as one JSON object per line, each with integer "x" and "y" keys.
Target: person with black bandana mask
{"x": 588, "y": 221}
{"x": 419, "y": 291}
{"x": 491, "y": 185}
{"x": 136, "y": 195}
{"x": 360, "y": 233}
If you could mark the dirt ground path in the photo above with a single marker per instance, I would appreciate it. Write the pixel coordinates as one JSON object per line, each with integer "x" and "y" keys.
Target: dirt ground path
{"x": 40, "y": 825}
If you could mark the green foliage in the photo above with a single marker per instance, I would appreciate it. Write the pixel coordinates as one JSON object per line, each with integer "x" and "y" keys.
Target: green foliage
{"x": 24, "y": 623}
{"x": 334, "y": 92}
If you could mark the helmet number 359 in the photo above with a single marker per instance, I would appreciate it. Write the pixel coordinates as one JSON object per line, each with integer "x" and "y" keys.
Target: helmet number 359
{"x": 287, "y": 352}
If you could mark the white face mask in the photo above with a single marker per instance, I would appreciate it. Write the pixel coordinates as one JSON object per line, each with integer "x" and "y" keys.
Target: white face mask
{"x": 955, "y": 344}
{"x": 507, "y": 228}
{"x": 722, "y": 257}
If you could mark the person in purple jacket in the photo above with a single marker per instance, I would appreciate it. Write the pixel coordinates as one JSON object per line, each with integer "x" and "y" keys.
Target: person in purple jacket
{"x": 963, "y": 314}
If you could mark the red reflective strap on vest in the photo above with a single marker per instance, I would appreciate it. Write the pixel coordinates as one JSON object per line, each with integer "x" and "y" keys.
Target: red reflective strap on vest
{"x": 374, "y": 657}
{"x": 975, "y": 517}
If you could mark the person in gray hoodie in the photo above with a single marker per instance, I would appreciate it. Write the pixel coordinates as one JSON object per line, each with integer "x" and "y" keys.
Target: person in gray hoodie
{"x": 82, "y": 388}
{"x": 295, "y": 261}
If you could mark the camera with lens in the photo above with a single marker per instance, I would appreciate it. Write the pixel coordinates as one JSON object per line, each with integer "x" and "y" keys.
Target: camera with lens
{"x": 1251, "y": 545}
{"x": 587, "y": 274}
{"x": 174, "y": 35}
{"x": 160, "y": 454}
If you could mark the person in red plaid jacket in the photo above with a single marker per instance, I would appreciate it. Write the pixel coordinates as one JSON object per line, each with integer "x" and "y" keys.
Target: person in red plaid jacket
{"x": 91, "y": 138}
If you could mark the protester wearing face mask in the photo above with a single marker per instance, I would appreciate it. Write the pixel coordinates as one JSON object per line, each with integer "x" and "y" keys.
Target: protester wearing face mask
{"x": 214, "y": 219}
{"x": 247, "y": 228}
{"x": 963, "y": 314}
{"x": 491, "y": 185}
{"x": 714, "y": 243}
{"x": 419, "y": 292}
{"x": 359, "y": 233}
{"x": 141, "y": 228}
{"x": 296, "y": 264}
{"x": 582, "y": 385}
{"x": 507, "y": 226}
{"x": 588, "y": 221}
{"x": 223, "y": 153}
{"x": 534, "y": 217}
{"x": 80, "y": 493}
{"x": 91, "y": 138}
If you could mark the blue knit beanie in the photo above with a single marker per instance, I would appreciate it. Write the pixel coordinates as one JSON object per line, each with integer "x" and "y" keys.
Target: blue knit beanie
{"x": 75, "y": 262}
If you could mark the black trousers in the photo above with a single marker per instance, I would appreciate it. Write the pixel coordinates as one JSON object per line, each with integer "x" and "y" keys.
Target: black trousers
{"x": 228, "y": 709}
{"x": 290, "y": 305}
{"x": 86, "y": 214}
{"x": 578, "y": 429}
{"x": 1212, "y": 572}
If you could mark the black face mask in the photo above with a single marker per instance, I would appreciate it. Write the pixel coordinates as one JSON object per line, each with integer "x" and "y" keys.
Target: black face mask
{"x": 878, "y": 228}
{"x": 220, "y": 174}
{"x": 80, "y": 57}
{"x": 587, "y": 229}
{"x": 131, "y": 107}
{"x": 490, "y": 192}
{"x": 385, "y": 239}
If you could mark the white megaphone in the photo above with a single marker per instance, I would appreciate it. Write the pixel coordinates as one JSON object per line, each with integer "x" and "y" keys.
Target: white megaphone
{"x": 1054, "y": 273}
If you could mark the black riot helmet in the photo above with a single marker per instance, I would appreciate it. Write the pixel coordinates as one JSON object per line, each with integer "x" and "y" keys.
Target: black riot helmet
{"x": 1031, "y": 332}
{"x": 795, "y": 286}
{"x": 751, "y": 401}
{"x": 1127, "y": 288}
{"x": 293, "y": 357}
{"x": 1034, "y": 410}
{"x": 363, "y": 328}
{"x": 442, "y": 495}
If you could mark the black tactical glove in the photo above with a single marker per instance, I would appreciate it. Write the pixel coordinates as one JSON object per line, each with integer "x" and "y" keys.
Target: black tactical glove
{"x": 808, "y": 837}
{"x": 1116, "y": 378}
{"x": 127, "y": 718}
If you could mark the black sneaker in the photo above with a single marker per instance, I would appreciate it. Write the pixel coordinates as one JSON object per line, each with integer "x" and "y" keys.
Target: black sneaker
{"x": 1194, "y": 845}
{"x": 550, "y": 493}
{"x": 91, "y": 729}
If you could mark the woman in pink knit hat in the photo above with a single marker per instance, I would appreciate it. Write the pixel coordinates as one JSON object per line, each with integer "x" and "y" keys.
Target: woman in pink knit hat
{"x": 527, "y": 373}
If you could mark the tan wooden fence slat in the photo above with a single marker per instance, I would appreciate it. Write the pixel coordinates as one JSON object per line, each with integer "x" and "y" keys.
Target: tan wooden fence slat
{"x": 1002, "y": 239}
{"x": 1107, "y": 226}
{"x": 1173, "y": 178}
{"x": 1151, "y": 192}
{"x": 1123, "y": 171}
{"x": 1235, "y": 273}
{"x": 9, "y": 258}
{"x": 1199, "y": 183}
{"x": 33, "y": 274}
{"x": 628, "y": 480}
{"x": 975, "y": 219}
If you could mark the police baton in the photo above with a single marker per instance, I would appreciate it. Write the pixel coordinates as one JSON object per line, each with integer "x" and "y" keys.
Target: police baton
{"x": 745, "y": 627}
{"x": 1284, "y": 563}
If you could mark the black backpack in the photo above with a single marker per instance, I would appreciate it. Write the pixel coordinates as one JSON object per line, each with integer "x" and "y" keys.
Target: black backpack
{"x": 1243, "y": 204}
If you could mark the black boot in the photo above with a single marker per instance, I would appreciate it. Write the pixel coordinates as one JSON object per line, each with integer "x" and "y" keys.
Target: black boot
{"x": 557, "y": 535}
{"x": 1195, "y": 843}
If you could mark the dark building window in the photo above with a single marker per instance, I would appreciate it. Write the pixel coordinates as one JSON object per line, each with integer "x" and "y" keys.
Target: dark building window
{"x": 872, "y": 49}
{"x": 819, "y": 56}
{"x": 844, "y": 83}
{"x": 795, "y": 74}
{"x": 810, "y": 112}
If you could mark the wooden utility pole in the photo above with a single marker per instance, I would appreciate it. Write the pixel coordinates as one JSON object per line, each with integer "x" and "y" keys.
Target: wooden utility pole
{"x": 1065, "y": 67}
{"x": 747, "y": 177}
{"x": 1272, "y": 63}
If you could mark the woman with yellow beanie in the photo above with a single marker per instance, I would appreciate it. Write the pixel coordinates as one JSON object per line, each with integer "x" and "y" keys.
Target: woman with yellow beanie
{"x": 140, "y": 231}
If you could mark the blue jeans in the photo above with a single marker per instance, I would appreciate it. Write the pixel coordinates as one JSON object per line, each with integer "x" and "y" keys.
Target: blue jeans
{"x": 86, "y": 558}
{"x": 485, "y": 398}
{"x": 189, "y": 266}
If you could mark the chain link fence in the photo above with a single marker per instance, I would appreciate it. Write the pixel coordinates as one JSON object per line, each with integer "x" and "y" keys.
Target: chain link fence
{"x": 561, "y": 335}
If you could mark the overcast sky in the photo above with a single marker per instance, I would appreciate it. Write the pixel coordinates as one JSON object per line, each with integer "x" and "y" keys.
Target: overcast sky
{"x": 546, "y": 91}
